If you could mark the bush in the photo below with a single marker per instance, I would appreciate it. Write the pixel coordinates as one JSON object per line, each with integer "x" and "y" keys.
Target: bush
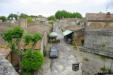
{"x": 45, "y": 52}
{"x": 29, "y": 20}
{"x": 27, "y": 73}
{"x": 32, "y": 62}
{"x": 51, "y": 23}
{"x": 51, "y": 18}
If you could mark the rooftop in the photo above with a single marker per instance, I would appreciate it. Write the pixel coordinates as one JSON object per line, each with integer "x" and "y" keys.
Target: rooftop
{"x": 99, "y": 16}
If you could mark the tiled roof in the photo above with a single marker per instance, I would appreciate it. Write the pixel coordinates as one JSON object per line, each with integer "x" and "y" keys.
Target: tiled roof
{"x": 98, "y": 16}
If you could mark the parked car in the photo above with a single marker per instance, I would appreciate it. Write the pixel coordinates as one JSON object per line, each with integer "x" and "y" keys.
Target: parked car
{"x": 53, "y": 52}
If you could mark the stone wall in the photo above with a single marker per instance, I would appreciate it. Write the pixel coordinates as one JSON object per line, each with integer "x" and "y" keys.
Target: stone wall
{"x": 6, "y": 68}
{"x": 23, "y": 23}
{"x": 99, "y": 41}
{"x": 92, "y": 63}
{"x": 44, "y": 42}
{"x": 100, "y": 25}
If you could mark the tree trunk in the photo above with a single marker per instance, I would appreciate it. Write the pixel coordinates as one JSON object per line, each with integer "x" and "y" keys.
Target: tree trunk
{"x": 33, "y": 48}
{"x": 20, "y": 67}
{"x": 12, "y": 57}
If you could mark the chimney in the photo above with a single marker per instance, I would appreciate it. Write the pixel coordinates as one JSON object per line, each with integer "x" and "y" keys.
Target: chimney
{"x": 108, "y": 15}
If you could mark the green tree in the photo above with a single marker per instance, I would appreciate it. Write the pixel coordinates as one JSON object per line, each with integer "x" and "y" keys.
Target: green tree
{"x": 13, "y": 16}
{"x": 29, "y": 20}
{"x": 3, "y": 18}
{"x": 14, "y": 36}
{"x": 65, "y": 14}
{"x": 22, "y": 15}
{"x": 33, "y": 16}
{"x": 51, "y": 18}
{"x": 32, "y": 38}
{"x": 77, "y": 15}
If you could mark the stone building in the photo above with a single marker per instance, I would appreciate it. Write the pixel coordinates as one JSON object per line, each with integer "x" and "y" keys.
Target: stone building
{"x": 97, "y": 51}
{"x": 98, "y": 33}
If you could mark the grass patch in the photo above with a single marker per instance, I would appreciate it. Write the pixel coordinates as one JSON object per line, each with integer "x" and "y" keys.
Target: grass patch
{"x": 104, "y": 57}
{"x": 103, "y": 69}
{"x": 86, "y": 59}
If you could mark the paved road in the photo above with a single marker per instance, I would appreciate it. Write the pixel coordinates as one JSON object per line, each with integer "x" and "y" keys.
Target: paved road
{"x": 63, "y": 65}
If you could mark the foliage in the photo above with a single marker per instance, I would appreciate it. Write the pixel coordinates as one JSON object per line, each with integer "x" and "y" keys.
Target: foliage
{"x": 51, "y": 23}
{"x": 65, "y": 14}
{"x": 78, "y": 23}
{"x": 103, "y": 45}
{"x": 45, "y": 52}
{"x": 32, "y": 38}
{"x": 32, "y": 62}
{"x": 51, "y": 18}
{"x": 13, "y": 16}
{"x": 13, "y": 33}
{"x": 36, "y": 37}
{"x": 86, "y": 59}
{"x": 41, "y": 22}
{"x": 22, "y": 15}
{"x": 27, "y": 39}
{"x": 27, "y": 73}
{"x": 29, "y": 20}
{"x": 3, "y": 18}
{"x": 13, "y": 36}
{"x": 33, "y": 16}
{"x": 103, "y": 69}
{"x": 39, "y": 16}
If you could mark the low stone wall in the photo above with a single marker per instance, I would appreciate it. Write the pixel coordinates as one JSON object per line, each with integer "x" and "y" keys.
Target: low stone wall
{"x": 44, "y": 42}
{"x": 6, "y": 68}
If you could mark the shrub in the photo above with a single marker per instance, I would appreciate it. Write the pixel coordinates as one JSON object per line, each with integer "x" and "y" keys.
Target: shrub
{"x": 32, "y": 62}
{"x": 103, "y": 69}
{"x": 45, "y": 52}
{"x": 51, "y": 23}
{"x": 27, "y": 73}
{"x": 29, "y": 20}
{"x": 51, "y": 18}
{"x": 86, "y": 59}
{"x": 41, "y": 22}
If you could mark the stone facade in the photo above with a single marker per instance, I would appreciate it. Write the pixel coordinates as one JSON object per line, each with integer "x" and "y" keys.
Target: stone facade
{"x": 98, "y": 37}
{"x": 5, "y": 67}
{"x": 98, "y": 45}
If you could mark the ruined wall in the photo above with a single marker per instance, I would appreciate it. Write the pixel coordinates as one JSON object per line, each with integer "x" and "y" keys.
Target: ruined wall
{"x": 44, "y": 42}
{"x": 5, "y": 67}
{"x": 92, "y": 63}
{"x": 99, "y": 41}
{"x": 100, "y": 25}
{"x": 23, "y": 23}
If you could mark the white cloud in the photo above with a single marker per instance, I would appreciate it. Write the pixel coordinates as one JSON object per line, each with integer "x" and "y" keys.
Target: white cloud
{"x": 49, "y": 7}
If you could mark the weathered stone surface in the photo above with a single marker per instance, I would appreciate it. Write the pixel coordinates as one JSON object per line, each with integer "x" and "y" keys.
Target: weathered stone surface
{"x": 94, "y": 63}
{"x": 5, "y": 67}
{"x": 99, "y": 41}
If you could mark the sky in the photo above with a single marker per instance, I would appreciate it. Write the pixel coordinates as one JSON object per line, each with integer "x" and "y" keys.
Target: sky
{"x": 49, "y": 7}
